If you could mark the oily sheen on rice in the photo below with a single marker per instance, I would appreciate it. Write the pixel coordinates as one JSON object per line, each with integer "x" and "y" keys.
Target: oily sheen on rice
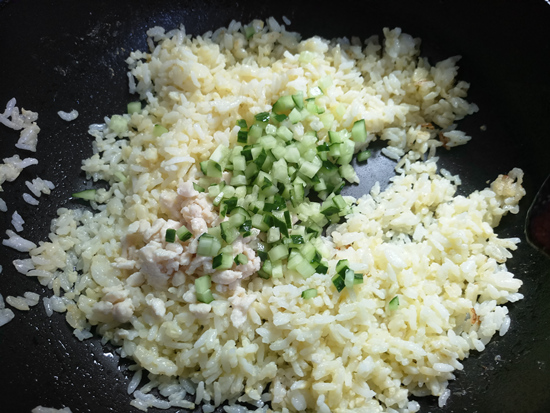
{"x": 417, "y": 240}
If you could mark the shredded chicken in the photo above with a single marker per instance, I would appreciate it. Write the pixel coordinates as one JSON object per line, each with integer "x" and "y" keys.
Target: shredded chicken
{"x": 149, "y": 258}
{"x": 200, "y": 310}
{"x": 116, "y": 304}
{"x": 241, "y": 302}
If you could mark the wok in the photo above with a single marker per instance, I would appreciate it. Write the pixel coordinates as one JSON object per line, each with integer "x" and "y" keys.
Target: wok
{"x": 63, "y": 55}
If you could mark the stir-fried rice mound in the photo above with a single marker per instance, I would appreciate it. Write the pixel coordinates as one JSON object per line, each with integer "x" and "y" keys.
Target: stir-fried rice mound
{"x": 431, "y": 253}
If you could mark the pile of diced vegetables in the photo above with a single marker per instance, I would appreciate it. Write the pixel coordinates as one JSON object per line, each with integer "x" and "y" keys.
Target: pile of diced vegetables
{"x": 284, "y": 188}
{"x": 274, "y": 177}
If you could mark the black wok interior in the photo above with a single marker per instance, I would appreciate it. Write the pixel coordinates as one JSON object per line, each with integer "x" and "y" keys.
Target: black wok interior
{"x": 63, "y": 55}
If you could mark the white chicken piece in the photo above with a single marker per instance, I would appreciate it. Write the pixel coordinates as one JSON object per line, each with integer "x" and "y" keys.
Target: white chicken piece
{"x": 123, "y": 311}
{"x": 157, "y": 261}
{"x": 156, "y": 305}
{"x": 226, "y": 277}
{"x": 200, "y": 310}
{"x": 170, "y": 204}
{"x": 12, "y": 167}
{"x": 240, "y": 302}
{"x": 102, "y": 310}
{"x": 124, "y": 264}
{"x": 200, "y": 265}
{"x": 114, "y": 294}
{"x": 187, "y": 190}
{"x": 241, "y": 246}
{"x": 152, "y": 267}
{"x": 189, "y": 296}
{"x": 135, "y": 280}
{"x": 198, "y": 214}
{"x": 122, "y": 308}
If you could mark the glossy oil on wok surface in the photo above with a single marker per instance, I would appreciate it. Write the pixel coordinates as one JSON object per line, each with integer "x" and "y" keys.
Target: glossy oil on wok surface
{"x": 63, "y": 55}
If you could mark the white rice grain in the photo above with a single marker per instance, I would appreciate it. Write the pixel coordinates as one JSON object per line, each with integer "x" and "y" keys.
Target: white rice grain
{"x": 47, "y": 306}
{"x": 68, "y": 116}
{"x": 17, "y": 242}
{"x": 31, "y": 298}
{"x": 134, "y": 383}
{"x": 29, "y": 199}
{"x": 17, "y": 221}
{"x": 82, "y": 334}
{"x": 17, "y": 302}
{"x": 28, "y": 138}
{"x": 442, "y": 400}
{"x": 41, "y": 409}
{"x": 6, "y": 315}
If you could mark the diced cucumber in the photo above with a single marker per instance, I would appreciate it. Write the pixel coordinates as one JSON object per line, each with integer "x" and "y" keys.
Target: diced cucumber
{"x": 273, "y": 235}
{"x": 202, "y": 289}
{"x": 277, "y": 269}
{"x": 305, "y": 269}
{"x": 321, "y": 268}
{"x": 249, "y": 31}
{"x": 298, "y": 99}
{"x": 394, "y": 303}
{"x": 159, "y": 130}
{"x": 342, "y": 266}
{"x": 241, "y": 259}
{"x": 87, "y": 194}
{"x": 278, "y": 252}
{"x": 348, "y": 173}
{"x": 348, "y": 278}
{"x": 183, "y": 233}
{"x": 242, "y": 136}
{"x": 229, "y": 233}
{"x": 134, "y": 107}
{"x": 338, "y": 282}
{"x": 334, "y": 137}
{"x": 170, "y": 235}
{"x": 363, "y": 156}
{"x": 213, "y": 169}
{"x": 284, "y": 104}
{"x": 222, "y": 261}
{"x": 258, "y": 222}
{"x": 197, "y": 187}
{"x": 205, "y": 297}
{"x": 262, "y": 117}
{"x": 359, "y": 131}
{"x": 294, "y": 116}
{"x": 309, "y": 293}
{"x": 208, "y": 246}
{"x": 292, "y": 154}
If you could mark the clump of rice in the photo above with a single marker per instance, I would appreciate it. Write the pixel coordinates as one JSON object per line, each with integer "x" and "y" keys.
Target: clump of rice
{"x": 17, "y": 221}
{"x": 25, "y": 121}
{"x": 39, "y": 186}
{"x": 24, "y": 303}
{"x": 6, "y": 314}
{"x": 417, "y": 240}
{"x": 12, "y": 167}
